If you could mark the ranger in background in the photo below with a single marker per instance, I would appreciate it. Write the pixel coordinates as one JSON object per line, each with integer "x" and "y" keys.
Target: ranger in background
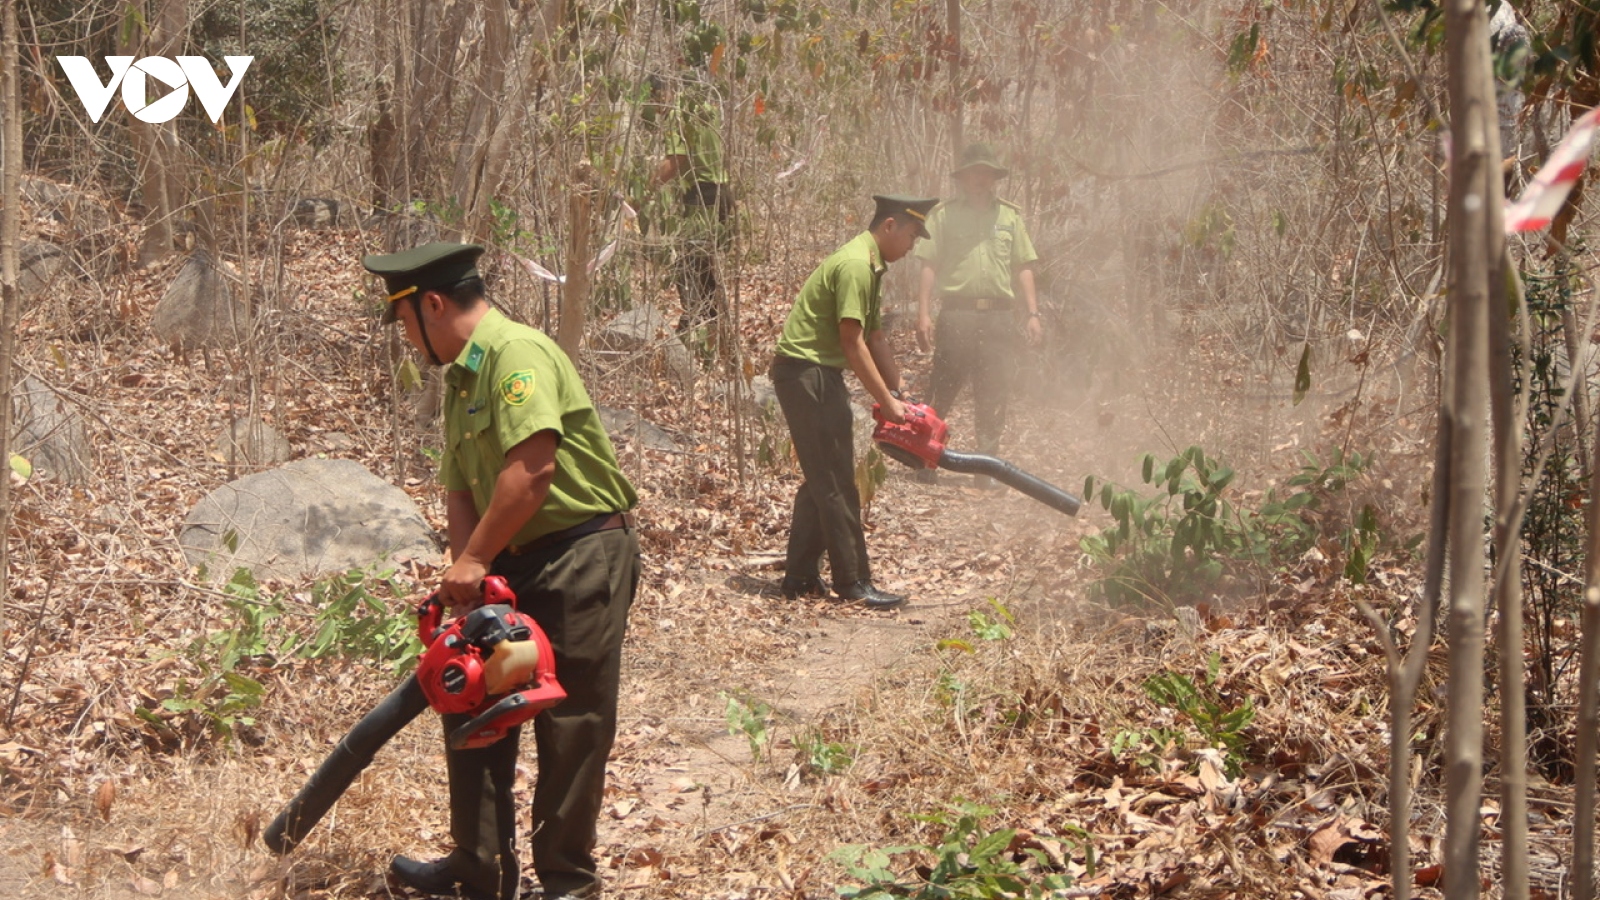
{"x": 978, "y": 259}
{"x": 693, "y": 166}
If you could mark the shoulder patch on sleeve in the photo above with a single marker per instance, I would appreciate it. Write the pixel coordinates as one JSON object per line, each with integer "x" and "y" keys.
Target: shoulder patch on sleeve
{"x": 517, "y": 387}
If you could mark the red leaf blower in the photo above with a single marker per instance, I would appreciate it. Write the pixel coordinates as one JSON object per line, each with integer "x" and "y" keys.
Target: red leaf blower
{"x": 920, "y": 444}
{"x": 494, "y": 662}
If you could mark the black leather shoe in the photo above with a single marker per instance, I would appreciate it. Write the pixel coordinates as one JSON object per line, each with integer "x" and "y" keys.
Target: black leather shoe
{"x": 437, "y": 877}
{"x": 794, "y": 589}
{"x": 871, "y": 597}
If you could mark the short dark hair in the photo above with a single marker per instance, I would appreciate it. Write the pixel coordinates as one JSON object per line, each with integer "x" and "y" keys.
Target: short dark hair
{"x": 880, "y": 218}
{"x": 465, "y": 293}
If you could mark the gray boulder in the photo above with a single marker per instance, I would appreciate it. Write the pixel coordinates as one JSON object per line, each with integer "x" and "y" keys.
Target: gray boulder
{"x": 48, "y": 432}
{"x": 202, "y": 307}
{"x": 320, "y": 212}
{"x": 42, "y": 263}
{"x": 80, "y": 214}
{"x": 253, "y": 444}
{"x": 305, "y": 518}
{"x": 628, "y": 427}
{"x": 645, "y": 333}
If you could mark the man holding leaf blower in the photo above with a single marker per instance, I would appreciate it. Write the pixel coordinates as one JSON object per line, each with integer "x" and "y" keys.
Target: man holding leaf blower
{"x": 837, "y": 322}
{"x": 534, "y": 494}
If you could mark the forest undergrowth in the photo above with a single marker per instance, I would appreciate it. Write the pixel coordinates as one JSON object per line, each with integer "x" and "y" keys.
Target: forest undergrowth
{"x": 1221, "y": 734}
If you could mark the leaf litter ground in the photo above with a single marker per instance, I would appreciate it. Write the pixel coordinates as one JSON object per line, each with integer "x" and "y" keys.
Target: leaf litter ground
{"x": 927, "y": 706}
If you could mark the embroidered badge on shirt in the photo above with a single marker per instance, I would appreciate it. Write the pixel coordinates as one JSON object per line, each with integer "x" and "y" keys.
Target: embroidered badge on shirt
{"x": 517, "y": 387}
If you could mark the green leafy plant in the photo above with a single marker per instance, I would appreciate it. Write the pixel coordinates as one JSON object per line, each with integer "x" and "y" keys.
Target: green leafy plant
{"x": 352, "y": 621}
{"x": 1221, "y": 724}
{"x": 822, "y": 756}
{"x": 995, "y": 629}
{"x": 967, "y": 862}
{"x": 750, "y": 717}
{"x": 1176, "y": 543}
{"x": 1145, "y": 748}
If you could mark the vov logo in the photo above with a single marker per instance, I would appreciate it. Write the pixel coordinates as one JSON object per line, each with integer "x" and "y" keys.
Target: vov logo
{"x": 134, "y": 77}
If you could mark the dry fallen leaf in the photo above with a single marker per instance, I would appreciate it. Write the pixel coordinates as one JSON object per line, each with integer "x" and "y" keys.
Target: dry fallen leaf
{"x": 104, "y": 797}
{"x": 145, "y": 886}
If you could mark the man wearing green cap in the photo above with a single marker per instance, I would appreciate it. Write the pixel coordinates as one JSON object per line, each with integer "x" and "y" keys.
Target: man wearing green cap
{"x": 978, "y": 260}
{"x": 837, "y": 321}
{"x": 533, "y": 493}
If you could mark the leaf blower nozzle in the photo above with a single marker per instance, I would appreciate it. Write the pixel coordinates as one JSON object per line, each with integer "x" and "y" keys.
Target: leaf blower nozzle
{"x": 920, "y": 444}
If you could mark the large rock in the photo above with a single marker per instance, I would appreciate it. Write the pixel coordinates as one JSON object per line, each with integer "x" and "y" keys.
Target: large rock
{"x": 253, "y": 444}
{"x": 645, "y": 332}
{"x": 77, "y": 213}
{"x": 48, "y": 432}
{"x": 42, "y": 263}
{"x": 303, "y": 519}
{"x": 202, "y": 307}
{"x": 628, "y": 427}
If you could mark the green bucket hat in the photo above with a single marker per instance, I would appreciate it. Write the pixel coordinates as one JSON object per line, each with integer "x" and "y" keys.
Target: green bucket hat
{"x": 430, "y": 267}
{"x": 980, "y": 154}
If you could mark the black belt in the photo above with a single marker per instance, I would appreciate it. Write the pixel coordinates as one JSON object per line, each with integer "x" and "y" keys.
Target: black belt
{"x": 703, "y": 193}
{"x": 602, "y": 522}
{"x": 978, "y": 304}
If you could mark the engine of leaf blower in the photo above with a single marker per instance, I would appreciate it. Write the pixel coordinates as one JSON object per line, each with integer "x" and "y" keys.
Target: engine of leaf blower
{"x": 919, "y": 442}
{"x": 494, "y": 663}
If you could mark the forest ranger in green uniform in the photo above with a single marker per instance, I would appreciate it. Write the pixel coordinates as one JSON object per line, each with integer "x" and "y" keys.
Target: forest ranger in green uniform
{"x": 693, "y": 160}
{"x": 837, "y": 321}
{"x": 979, "y": 258}
{"x": 533, "y": 494}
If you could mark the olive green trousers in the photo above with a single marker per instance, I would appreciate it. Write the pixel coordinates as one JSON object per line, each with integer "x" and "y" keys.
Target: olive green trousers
{"x": 827, "y": 507}
{"x": 579, "y": 592}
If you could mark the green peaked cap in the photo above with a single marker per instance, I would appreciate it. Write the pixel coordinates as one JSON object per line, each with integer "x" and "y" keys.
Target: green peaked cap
{"x": 914, "y": 208}
{"x": 441, "y": 264}
{"x": 974, "y": 155}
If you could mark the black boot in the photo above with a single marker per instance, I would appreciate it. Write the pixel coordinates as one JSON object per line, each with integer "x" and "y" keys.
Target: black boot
{"x": 871, "y": 597}
{"x": 438, "y": 877}
{"x": 806, "y": 586}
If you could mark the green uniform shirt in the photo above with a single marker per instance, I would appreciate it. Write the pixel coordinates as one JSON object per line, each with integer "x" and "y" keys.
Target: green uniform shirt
{"x": 509, "y": 383}
{"x": 975, "y": 252}
{"x": 848, "y": 285}
{"x": 694, "y": 133}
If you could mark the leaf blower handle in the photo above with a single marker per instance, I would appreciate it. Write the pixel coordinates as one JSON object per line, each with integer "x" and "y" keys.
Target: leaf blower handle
{"x": 430, "y": 612}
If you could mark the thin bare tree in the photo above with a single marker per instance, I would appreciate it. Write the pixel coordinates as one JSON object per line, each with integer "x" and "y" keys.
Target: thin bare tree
{"x": 10, "y": 234}
{"x": 1475, "y": 142}
{"x": 162, "y": 178}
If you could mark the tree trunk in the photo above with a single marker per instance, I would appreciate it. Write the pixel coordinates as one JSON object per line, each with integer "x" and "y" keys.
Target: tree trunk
{"x": 10, "y": 234}
{"x": 1507, "y": 584}
{"x": 1588, "y": 725}
{"x": 473, "y": 183}
{"x": 1472, "y": 118}
{"x": 575, "y": 291}
{"x": 162, "y": 186}
{"x": 953, "y": 24}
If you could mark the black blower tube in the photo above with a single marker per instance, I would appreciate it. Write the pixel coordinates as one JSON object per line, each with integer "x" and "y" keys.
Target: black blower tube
{"x": 347, "y": 760}
{"x": 1011, "y": 476}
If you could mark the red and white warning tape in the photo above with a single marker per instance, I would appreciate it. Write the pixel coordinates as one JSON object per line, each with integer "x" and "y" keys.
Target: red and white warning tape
{"x": 1543, "y": 197}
